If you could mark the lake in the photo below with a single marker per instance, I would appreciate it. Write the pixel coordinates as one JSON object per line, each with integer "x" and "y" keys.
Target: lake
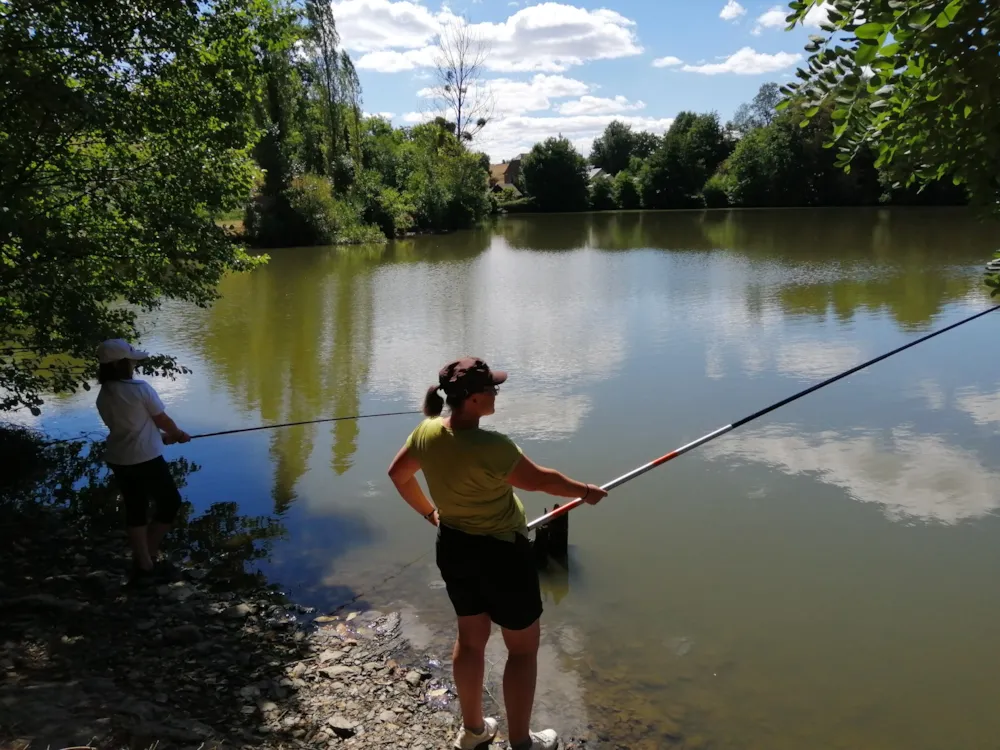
{"x": 822, "y": 578}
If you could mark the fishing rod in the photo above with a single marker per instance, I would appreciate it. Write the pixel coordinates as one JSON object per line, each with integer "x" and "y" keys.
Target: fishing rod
{"x": 564, "y": 509}
{"x": 276, "y": 426}
{"x": 307, "y": 421}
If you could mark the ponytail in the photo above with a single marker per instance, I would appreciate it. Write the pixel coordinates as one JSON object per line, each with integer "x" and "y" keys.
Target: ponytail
{"x": 433, "y": 403}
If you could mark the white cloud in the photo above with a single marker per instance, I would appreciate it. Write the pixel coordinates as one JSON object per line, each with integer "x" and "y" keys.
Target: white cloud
{"x": 813, "y": 360}
{"x": 911, "y": 476}
{"x": 771, "y": 19}
{"x": 747, "y": 61}
{"x": 594, "y": 105}
{"x": 510, "y": 136}
{"x": 549, "y": 37}
{"x": 517, "y": 97}
{"x": 732, "y": 11}
{"x": 818, "y": 14}
{"x": 774, "y": 18}
{"x": 667, "y": 62}
{"x": 506, "y": 137}
{"x": 984, "y": 408}
{"x": 391, "y": 61}
{"x": 371, "y": 25}
{"x": 383, "y": 115}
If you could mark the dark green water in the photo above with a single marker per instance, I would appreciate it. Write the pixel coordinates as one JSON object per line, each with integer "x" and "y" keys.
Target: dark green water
{"x": 825, "y": 578}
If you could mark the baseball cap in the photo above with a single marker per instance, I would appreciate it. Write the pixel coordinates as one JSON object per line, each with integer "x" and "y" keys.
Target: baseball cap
{"x": 469, "y": 375}
{"x": 113, "y": 350}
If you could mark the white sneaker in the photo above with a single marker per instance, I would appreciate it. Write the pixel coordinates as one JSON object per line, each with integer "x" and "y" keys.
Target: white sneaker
{"x": 466, "y": 740}
{"x": 547, "y": 739}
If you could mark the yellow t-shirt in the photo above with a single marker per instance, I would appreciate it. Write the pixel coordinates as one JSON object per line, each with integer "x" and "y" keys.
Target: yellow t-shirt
{"x": 466, "y": 473}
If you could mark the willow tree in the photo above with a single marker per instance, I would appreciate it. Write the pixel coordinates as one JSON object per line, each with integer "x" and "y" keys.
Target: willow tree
{"x": 339, "y": 90}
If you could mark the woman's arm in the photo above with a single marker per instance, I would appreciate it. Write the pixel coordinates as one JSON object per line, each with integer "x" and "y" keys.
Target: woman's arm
{"x": 531, "y": 477}
{"x": 174, "y": 434}
{"x": 403, "y": 473}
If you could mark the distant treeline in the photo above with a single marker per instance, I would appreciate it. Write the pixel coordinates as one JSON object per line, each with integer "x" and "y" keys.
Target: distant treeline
{"x": 761, "y": 158}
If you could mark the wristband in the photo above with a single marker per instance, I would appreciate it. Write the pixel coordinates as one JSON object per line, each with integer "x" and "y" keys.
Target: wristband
{"x": 586, "y": 494}
{"x": 428, "y": 515}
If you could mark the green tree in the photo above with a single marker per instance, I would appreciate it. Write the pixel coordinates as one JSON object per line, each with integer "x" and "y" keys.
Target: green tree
{"x": 613, "y": 148}
{"x": 784, "y": 164}
{"x": 643, "y": 144}
{"x": 556, "y": 176}
{"x": 339, "y": 92}
{"x": 124, "y": 129}
{"x": 602, "y": 193}
{"x": 915, "y": 81}
{"x": 763, "y": 169}
{"x": 758, "y": 112}
{"x": 625, "y": 192}
{"x": 688, "y": 155}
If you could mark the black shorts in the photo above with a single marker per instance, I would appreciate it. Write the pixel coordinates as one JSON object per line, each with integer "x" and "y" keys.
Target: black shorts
{"x": 484, "y": 574}
{"x": 140, "y": 482}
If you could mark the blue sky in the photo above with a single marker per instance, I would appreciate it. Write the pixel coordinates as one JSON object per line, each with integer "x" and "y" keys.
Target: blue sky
{"x": 572, "y": 66}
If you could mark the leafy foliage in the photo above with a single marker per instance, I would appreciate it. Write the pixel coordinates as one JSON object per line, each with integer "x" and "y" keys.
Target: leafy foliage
{"x": 555, "y": 174}
{"x": 618, "y": 145}
{"x": 602, "y": 193}
{"x": 689, "y": 154}
{"x": 625, "y": 191}
{"x": 912, "y": 80}
{"x": 717, "y": 190}
{"x": 398, "y": 180}
{"x": 124, "y": 129}
{"x": 757, "y": 113}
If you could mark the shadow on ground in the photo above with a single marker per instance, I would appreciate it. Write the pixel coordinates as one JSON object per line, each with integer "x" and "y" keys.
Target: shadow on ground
{"x": 87, "y": 660}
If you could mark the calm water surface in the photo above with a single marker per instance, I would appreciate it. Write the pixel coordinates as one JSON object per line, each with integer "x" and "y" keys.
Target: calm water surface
{"x": 825, "y": 578}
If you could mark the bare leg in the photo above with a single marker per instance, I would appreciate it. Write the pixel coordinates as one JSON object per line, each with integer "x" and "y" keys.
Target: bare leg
{"x": 519, "y": 680}
{"x": 138, "y": 540}
{"x": 468, "y": 663}
{"x": 155, "y": 536}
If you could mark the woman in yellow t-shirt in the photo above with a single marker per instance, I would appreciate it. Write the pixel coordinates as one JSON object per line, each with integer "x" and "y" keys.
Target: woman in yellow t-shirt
{"x": 483, "y": 551}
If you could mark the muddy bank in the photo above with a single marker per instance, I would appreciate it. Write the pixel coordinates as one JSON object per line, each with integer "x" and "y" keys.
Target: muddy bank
{"x": 196, "y": 663}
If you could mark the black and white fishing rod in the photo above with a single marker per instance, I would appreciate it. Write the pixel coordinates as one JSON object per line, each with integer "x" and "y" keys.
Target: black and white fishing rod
{"x": 564, "y": 509}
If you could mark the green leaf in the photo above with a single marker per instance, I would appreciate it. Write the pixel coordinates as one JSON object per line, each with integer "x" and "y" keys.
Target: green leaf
{"x": 869, "y": 31}
{"x": 865, "y": 54}
{"x": 968, "y": 111}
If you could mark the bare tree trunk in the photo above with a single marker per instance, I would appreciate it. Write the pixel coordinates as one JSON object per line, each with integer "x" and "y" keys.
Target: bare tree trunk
{"x": 461, "y": 90}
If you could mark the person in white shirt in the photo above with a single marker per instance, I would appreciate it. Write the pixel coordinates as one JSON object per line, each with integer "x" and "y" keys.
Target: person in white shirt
{"x": 135, "y": 417}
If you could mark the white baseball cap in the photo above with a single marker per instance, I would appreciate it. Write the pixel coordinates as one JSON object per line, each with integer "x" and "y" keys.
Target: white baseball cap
{"x": 113, "y": 350}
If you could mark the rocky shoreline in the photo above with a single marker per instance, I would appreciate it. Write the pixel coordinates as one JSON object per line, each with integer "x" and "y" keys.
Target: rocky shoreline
{"x": 88, "y": 661}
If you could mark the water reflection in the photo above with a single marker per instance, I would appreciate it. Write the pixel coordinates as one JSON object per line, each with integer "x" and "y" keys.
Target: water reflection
{"x": 912, "y": 476}
{"x": 984, "y": 408}
{"x": 717, "y": 600}
{"x": 909, "y": 263}
{"x": 500, "y": 309}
